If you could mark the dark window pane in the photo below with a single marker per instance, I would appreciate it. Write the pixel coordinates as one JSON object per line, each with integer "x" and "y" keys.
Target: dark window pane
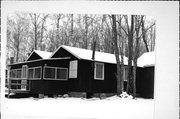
{"x": 19, "y": 73}
{"x": 50, "y": 73}
{"x": 24, "y": 72}
{"x": 30, "y": 73}
{"x": 12, "y": 74}
{"x": 37, "y": 73}
{"x": 61, "y": 73}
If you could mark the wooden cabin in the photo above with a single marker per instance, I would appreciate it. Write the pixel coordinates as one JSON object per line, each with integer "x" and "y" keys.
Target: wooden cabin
{"x": 145, "y": 75}
{"x": 67, "y": 70}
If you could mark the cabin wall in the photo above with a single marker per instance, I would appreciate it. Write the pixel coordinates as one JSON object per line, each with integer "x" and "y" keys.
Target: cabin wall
{"x": 51, "y": 86}
{"x": 86, "y": 82}
{"x": 80, "y": 83}
{"x": 145, "y": 82}
{"x": 109, "y": 84}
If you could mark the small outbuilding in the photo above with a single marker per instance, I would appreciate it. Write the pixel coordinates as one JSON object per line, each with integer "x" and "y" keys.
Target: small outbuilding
{"x": 145, "y": 75}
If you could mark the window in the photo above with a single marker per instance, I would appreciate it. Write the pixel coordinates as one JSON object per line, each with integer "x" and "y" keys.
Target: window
{"x": 99, "y": 71}
{"x": 15, "y": 73}
{"x": 12, "y": 73}
{"x": 30, "y": 73}
{"x": 34, "y": 73}
{"x": 62, "y": 73}
{"x": 55, "y": 73}
{"x": 49, "y": 72}
{"x": 24, "y": 71}
{"x": 19, "y": 71}
{"x": 73, "y": 69}
{"x": 125, "y": 73}
{"x": 37, "y": 73}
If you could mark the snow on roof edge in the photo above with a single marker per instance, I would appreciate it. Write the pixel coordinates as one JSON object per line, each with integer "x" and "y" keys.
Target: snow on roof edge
{"x": 147, "y": 59}
{"x": 75, "y": 51}
{"x": 39, "y": 54}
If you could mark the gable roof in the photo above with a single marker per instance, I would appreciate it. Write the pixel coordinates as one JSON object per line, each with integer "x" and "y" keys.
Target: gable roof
{"x": 87, "y": 55}
{"x": 147, "y": 59}
{"x": 42, "y": 54}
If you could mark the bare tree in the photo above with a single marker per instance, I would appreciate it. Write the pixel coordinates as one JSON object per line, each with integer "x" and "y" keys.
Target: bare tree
{"x": 17, "y": 29}
{"x": 136, "y": 50}
{"x": 38, "y": 26}
{"x": 130, "y": 34}
{"x": 114, "y": 32}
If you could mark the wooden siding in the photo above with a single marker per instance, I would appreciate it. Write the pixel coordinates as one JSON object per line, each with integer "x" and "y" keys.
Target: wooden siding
{"x": 86, "y": 82}
{"x": 145, "y": 82}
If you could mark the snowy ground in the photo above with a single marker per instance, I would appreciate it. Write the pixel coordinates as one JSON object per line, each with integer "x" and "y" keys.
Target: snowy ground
{"x": 77, "y": 108}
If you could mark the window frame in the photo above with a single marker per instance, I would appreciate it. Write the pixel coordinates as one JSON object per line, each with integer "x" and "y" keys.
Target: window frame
{"x": 95, "y": 69}
{"x": 34, "y": 72}
{"x": 24, "y": 66}
{"x": 70, "y": 70}
{"x": 40, "y": 73}
{"x": 45, "y": 74}
{"x": 55, "y": 73}
{"x": 15, "y": 71}
{"x": 125, "y": 68}
{"x": 66, "y": 73}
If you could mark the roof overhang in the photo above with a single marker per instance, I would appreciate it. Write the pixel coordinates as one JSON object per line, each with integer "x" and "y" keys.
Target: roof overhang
{"x": 26, "y": 62}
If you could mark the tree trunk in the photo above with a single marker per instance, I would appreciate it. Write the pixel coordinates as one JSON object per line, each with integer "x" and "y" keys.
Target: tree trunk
{"x": 35, "y": 32}
{"x": 130, "y": 54}
{"x": 114, "y": 32}
{"x": 144, "y": 34}
{"x": 86, "y": 32}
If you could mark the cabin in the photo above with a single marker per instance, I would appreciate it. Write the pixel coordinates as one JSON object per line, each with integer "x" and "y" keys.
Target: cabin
{"x": 68, "y": 70}
{"x": 145, "y": 75}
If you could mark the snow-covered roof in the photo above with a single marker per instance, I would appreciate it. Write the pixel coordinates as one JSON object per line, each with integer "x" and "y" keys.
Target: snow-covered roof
{"x": 87, "y": 55}
{"x": 42, "y": 54}
{"x": 147, "y": 59}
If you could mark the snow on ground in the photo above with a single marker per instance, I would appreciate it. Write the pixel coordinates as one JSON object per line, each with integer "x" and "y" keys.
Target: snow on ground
{"x": 77, "y": 108}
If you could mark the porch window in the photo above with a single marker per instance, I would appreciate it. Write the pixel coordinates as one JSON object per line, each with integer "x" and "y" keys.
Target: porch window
{"x": 12, "y": 73}
{"x": 34, "y": 73}
{"x": 24, "y": 71}
{"x": 62, "y": 74}
{"x": 125, "y": 73}
{"x": 30, "y": 73}
{"x": 49, "y": 72}
{"x": 99, "y": 71}
{"x": 37, "y": 73}
{"x": 73, "y": 69}
{"x": 19, "y": 71}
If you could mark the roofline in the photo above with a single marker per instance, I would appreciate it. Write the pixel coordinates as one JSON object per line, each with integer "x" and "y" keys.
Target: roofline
{"x": 38, "y": 60}
{"x": 62, "y": 46}
{"x": 31, "y": 54}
